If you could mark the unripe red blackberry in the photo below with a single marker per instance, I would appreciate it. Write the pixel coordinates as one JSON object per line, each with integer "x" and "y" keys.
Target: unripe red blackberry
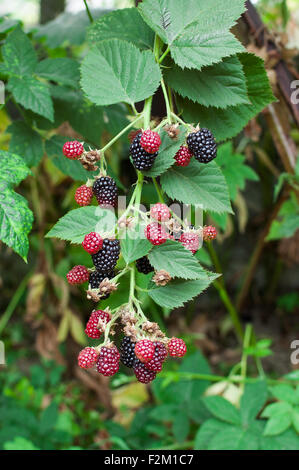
{"x": 142, "y": 374}
{"x": 105, "y": 190}
{"x": 87, "y": 358}
{"x": 142, "y": 160}
{"x": 144, "y": 350}
{"x": 105, "y": 260}
{"x": 83, "y": 195}
{"x": 78, "y": 275}
{"x": 203, "y": 146}
{"x": 190, "y": 240}
{"x": 108, "y": 361}
{"x": 160, "y": 212}
{"x": 73, "y": 149}
{"x": 150, "y": 141}
{"x": 183, "y": 156}
{"x": 156, "y": 234}
{"x": 209, "y": 233}
{"x": 176, "y": 347}
{"x": 92, "y": 243}
{"x": 160, "y": 354}
{"x": 91, "y": 329}
{"x": 127, "y": 352}
{"x": 144, "y": 266}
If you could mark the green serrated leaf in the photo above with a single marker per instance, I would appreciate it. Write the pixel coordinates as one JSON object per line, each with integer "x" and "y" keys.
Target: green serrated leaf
{"x": 111, "y": 26}
{"x": 287, "y": 221}
{"x": 134, "y": 245}
{"x": 197, "y": 33}
{"x": 181, "y": 426}
{"x": 69, "y": 167}
{"x": 178, "y": 292}
{"x": 234, "y": 168}
{"x": 222, "y": 409}
{"x": 18, "y": 54}
{"x": 199, "y": 184}
{"x": 278, "y": 423}
{"x": 176, "y": 260}
{"x": 207, "y": 431}
{"x": 220, "y": 85}
{"x": 26, "y": 142}
{"x": 121, "y": 71}
{"x": 252, "y": 401}
{"x": 284, "y": 392}
{"x": 79, "y": 222}
{"x": 227, "y": 123}
{"x": 167, "y": 151}
{"x": 13, "y": 169}
{"x": 62, "y": 70}
{"x": 276, "y": 408}
{"x": 32, "y": 94}
{"x": 234, "y": 438}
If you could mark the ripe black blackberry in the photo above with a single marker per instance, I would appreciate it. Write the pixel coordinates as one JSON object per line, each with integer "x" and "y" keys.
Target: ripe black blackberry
{"x": 142, "y": 160}
{"x": 105, "y": 190}
{"x": 95, "y": 279}
{"x": 144, "y": 266}
{"x": 105, "y": 260}
{"x": 203, "y": 146}
{"x": 127, "y": 352}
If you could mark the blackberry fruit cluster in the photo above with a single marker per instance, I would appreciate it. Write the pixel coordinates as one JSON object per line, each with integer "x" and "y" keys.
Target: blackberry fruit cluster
{"x": 105, "y": 190}
{"x": 105, "y": 260}
{"x": 142, "y": 160}
{"x": 96, "y": 277}
{"x": 127, "y": 352}
{"x": 144, "y": 266}
{"x": 203, "y": 146}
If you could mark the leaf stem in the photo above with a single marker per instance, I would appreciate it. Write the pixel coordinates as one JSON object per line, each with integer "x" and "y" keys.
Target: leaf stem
{"x": 160, "y": 60}
{"x": 88, "y": 12}
{"x": 158, "y": 189}
{"x": 168, "y": 109}
{"x": 123, "y": 131}
{"x": 246, "y": 343}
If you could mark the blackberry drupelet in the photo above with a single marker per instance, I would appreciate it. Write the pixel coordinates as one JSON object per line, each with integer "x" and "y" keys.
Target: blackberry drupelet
{"x": 142, "y": 160}
{"x": 203, "y": 146}
{"x": 105, "y": 190}
{"x": 127, "y": 352}
{"x": 144, "y": 266}
{"x": 105, "y": 260}
{"x": 142, "y": 374}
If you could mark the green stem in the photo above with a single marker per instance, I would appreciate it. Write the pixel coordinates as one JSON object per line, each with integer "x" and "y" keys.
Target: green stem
{"x": 178, "y": 119}
{"x": 88, "y": 11}
{"x": 246, "y": 343}
{"x": 168, "y": 109}
{"x": 158, "y": 189}
{"x": 160, "y": 60}
{"x": 123, "y": 131}
{"x": 14, "y": 302}
{"x": 230, "y": 309}
{"x": 147, "y": 112}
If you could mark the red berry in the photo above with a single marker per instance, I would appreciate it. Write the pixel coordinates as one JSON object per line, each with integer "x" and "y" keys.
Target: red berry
{"x": 108, "y": 361}
{"x": 209, "y": 233}
{"x": 87, "y": 358}
{"x": 143, "y": 375}
{"x": 83, "y": 195}
{"x": 160, "y": 212}
{"x": 190, "y": 240}
{"x": 144, "y": 350}
{"x": 156, "y": 234}
{"x": 78, "y": 275}
{"x": 150, "y": 141}
{"x": 177, "y": 347}
{"x": 91, "y": 329}
{"x": 160, "y": 354}
{"x": 183, "y": 156}
{"x": 73, "y": 149}
{"x": 92, "y": 243}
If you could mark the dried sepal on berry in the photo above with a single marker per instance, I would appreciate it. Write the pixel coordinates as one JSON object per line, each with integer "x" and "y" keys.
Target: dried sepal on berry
{"x": 161, "y": 278}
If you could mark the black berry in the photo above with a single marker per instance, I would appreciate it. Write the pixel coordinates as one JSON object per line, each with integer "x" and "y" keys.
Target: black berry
{"x": 143, "y": 265}
{"x": 203, "y": 146}
{"x": 96, "y": 277}
{"x": 143, "y": 375}
{"x": 142, "y": 160}
{"x": 127, "y": 352}
{"x": 105, "y": 190}
{"x": 105, "y": 260}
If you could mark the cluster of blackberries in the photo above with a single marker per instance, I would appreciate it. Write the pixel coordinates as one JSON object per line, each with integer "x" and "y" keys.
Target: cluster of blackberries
{"x": 105, "y": 190}
{"x": 202, "y": 145}
{"x": 144, "y": 149}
